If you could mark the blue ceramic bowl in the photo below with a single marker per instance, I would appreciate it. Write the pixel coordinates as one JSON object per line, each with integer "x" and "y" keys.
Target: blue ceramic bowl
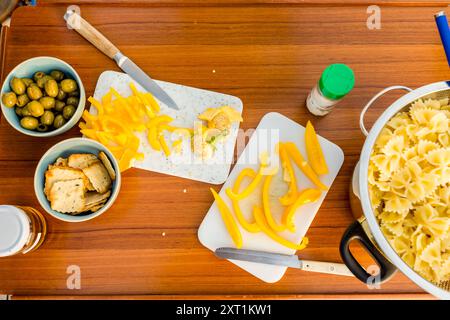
{"x": 64, "y": 149}
{"x": 26, "y": 69}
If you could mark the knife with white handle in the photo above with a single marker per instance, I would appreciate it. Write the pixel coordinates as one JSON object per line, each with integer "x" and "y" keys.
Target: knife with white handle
{"x": 85, "y": 29}
{"x": 283, "y": 260}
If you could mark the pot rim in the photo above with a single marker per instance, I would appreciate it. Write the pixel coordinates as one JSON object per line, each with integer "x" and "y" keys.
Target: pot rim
{"x": 374, "y": 227}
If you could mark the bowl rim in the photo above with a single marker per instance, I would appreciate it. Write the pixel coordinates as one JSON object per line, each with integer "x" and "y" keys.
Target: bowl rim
{"x": 67, "y": 217}
{"x": 68, "y": 125}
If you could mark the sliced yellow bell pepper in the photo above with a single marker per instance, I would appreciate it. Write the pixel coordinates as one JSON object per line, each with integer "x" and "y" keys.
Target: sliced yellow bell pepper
{"x": 295, "y": 154}
{"x": 260, "y": 220}
{"x": 266, "y": 205}
{"x": 153, "y": 138}
{"x": 250, "y": 188}
{"x": 228, "y": 219}
{"x": 250, "y": 227}
{"x": 164, "y": 145}
{"x": 288, "y": 176}
{"x": 314, "y": 151}
{"x": 304, "y": 197}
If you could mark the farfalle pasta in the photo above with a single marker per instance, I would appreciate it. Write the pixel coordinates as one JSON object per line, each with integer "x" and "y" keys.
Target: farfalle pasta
{"x": 409, "y": 186}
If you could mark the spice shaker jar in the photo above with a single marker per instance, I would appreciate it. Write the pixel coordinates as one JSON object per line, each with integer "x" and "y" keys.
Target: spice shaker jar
{"x": 336, "y": 81}
{"x": 22, "y": 230}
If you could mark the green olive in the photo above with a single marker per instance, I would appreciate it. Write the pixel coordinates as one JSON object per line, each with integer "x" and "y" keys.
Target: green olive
{"x": 34, "y": 92}
{"x": 73, "y": 101}
{"x": 57, "y": 75}
{"x": 68, "y": 111}
{"x": 36, "y": 109}
{"x": 59, "y": 121}
{"x": 51, "y": 88}
{"x": 75, "y": 93}
{"x": 42, "y": 127}
{"x": 59, "y": 106}
{"x": 17, "y": 86}
{"x": 38, "y": 75}
{"x": 47, "y": 118}
{"x": 42, "y": 81}
{"x": 27, "y": 81}
{"x": 61, "y": 95}
{"x": 47, "y": 102}
{"x": 22, "y": 100}
{"x": 68, "y": 85}
{"x": 29, "y": 123}
{"x": 9, "y": 99}
{"x": 19, "y": 111}
{"x": 26, "y": 112}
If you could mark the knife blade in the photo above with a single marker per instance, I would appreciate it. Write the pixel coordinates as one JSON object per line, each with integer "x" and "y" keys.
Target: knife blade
{"x": 284, "y": 260}
{"x": 86, "y": 30}
{"x": 127, "y": 65}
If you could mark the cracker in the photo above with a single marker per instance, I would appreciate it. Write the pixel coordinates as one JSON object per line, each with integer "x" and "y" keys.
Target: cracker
{"x": 81, "y": 160}
{"x": 94, "y": 198}
{"x": 67, "y": 196}
{"x": 98, "y": 176}
{"x": 63, "y": 162}
{"x": 60, "y": 173}
{"x": 104, "y": 158}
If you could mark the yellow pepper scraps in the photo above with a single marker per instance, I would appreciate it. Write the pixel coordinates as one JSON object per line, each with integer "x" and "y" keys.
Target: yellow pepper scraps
{"x": 288, "y": 176}
{"x": 266, "y": 205}
{"x": 228, "y": 219}
{"x": 261, "y": 221}
{"x": 249, "y": 189}
{"x": 304, "y": 197}
{"x": 250, "y": 227}
{"x": 295, "y": 154}
{"x": 314, "y": 151}
{"x": 114, "y": 124}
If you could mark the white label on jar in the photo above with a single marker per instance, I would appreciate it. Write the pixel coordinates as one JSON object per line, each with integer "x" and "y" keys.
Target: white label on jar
{"x": 319, "y": 105}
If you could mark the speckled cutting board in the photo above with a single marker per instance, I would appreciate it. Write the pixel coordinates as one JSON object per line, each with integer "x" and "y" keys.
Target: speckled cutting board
{"x": 192, "y": 102}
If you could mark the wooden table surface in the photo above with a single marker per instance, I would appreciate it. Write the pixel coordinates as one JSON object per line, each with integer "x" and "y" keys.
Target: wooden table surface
{"x": 268, "y": 55}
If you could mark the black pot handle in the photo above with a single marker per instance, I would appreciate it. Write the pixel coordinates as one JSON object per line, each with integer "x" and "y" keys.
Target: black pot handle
{"x": 356, "y": 232}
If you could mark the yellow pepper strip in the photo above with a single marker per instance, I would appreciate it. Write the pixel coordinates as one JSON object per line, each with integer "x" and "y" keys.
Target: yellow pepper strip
{"x": 153, "y": 138}
{"x": 303, "y": 165}
{"x": 90, "y": 133}
{"x": 97, "y": 106}
{"x": 133, "y": 89}
{"x": 260, "y": 220}
{"x": 176, "y": 143}
{"x": 266, "y": 205}
{"x": 126, "y": 159}
{"x": 249, "y": 189}
{"x": 152, "y": 102}
{"x": 289, "y": 176}
{"x": 164, "y": 146}
{"x": 304, "y": 197}
{"x": 228, "y": 219}
{"x": 314, "y": 150}
{"x": 250, "y": 227}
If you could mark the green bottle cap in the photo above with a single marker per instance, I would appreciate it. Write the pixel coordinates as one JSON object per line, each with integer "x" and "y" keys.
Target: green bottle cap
{"x": 336, "y": 81}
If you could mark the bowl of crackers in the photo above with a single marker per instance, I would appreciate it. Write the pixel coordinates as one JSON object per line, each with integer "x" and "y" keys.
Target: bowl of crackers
{"x": 77, "y": 180}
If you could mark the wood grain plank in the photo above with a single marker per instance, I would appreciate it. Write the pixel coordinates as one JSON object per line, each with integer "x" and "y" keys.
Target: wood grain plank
{"x": 269, "y": 56}
{"x": 407, "y": 296}
{"x": 129, "y": 3}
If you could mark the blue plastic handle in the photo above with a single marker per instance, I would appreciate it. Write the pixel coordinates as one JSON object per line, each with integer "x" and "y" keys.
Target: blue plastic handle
{"x": 444, "y": 32}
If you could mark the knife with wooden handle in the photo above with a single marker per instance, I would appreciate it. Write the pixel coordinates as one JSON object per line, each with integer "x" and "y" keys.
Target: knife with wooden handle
{"x": 87, "y": 31}
{"x": 283, "y": 260}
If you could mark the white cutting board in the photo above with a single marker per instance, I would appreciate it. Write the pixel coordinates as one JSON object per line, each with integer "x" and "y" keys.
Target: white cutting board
{"x": 273, "y": 127}
{"x": 192, "y": 102}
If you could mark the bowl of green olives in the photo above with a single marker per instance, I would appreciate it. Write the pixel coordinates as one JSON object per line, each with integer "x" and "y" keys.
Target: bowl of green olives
{"x": 42, "y": 97}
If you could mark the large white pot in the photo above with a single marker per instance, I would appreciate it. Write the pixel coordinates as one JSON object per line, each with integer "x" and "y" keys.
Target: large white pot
{"x": 366, "y": 229}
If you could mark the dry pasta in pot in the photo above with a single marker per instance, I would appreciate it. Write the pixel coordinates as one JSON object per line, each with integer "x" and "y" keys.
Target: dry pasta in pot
{"x": 409, "y": 186}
